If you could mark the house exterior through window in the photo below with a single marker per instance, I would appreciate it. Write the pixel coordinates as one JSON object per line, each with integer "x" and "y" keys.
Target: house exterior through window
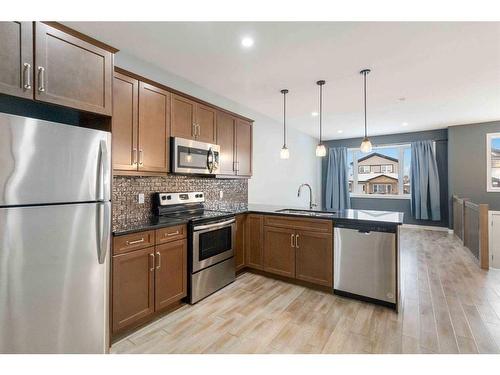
{"x": 384, "y": 171}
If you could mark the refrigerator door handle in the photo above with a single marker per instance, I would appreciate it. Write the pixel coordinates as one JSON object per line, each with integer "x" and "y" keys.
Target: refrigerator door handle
{"x": 104, "y": 226}
{"x": 104, "y": 159}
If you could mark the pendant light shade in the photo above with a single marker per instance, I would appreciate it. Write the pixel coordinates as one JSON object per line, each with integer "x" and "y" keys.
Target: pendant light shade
{"x": 320, "y": 148}
{"x": 366, "y": 145}
{"x": 284, "y": 153}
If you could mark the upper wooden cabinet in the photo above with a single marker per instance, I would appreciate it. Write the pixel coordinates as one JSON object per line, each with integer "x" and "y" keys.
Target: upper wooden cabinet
{"x": 206, "y": 121}
{"x": 63, "y": 69}
{"x": 154, "y": 129}
{"x": 16, "y": 59}
{"x": 125, "y": 122}
{"x": 234, "y": 136}
{"x": 243, "y": 148}
{"x": 226, "y": 140}
{"x": 183, "y": 117}
{"x": 193, "y": 120}
{"x": 141, "y": 126}
{"x": 72, "y": 72}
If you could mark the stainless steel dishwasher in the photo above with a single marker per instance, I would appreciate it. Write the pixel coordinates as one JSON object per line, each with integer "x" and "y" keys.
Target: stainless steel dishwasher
{"x": 366, "y": 264}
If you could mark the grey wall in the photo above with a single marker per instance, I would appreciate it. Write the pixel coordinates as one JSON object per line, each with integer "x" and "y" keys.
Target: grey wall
{"x": 402, "y": 205}
{"x": 467, "y": 162}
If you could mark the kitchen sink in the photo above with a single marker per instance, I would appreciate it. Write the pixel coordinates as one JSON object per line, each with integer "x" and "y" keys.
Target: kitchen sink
{"x": 292, "y": 211}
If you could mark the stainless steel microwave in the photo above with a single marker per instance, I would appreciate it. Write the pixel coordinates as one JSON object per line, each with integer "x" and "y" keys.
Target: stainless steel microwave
{"x": 193, "y": 157}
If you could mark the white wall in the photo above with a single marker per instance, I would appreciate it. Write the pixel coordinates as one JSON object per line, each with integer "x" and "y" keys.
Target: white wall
{"x": 274, "y": 181}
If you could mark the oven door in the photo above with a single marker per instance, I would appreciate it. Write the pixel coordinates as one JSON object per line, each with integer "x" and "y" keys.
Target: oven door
{"x": 212, "y": 243}
{"x": 193, "y": 157}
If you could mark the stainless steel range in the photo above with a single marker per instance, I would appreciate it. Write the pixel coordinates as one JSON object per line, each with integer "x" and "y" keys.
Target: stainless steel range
{"x": 211, "y": 237}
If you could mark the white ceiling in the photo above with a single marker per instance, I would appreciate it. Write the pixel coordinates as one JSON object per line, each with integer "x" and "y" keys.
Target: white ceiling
{"x": 448, "y": 73}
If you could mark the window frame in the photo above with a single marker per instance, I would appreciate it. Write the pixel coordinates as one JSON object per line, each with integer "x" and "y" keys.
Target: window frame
{"x": 356, "y": 152}
{"x": 489, "y": 186}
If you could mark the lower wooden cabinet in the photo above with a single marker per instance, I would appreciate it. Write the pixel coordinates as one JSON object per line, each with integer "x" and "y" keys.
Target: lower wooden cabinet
{"x": 279, "y": 251}
{"x": 314, "y": 257}
{"x": 170, "y": 273}
{"x": 239, "y": 246}
{"x": 133, "y": 287}
{"x": 254, "y": 241}
{"x": 147, "y": 280}
{"x": 291, "y": 247}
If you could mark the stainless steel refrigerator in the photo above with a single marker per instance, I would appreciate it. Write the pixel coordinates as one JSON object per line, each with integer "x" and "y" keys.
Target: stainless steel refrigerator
{"x": 55, "y": 222}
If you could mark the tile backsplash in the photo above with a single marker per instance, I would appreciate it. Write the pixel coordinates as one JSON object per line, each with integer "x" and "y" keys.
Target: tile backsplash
{"x": 127, "y": 188}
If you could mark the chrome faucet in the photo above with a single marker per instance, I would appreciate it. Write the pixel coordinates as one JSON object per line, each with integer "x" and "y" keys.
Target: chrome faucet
{"x": 311, "y": 204}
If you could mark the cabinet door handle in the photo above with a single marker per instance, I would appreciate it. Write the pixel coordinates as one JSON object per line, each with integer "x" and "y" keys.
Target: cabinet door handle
{"x": 171, "y": 234}
{"x": 199, "y": 130}
{"x": 151, "y": 261}
{"x": 141, "y": 157}
{"x": 27, "y": 76}
{"x": 297, "y": 241}
{"x": 134, "y": 156}
{"x": 135, "y": 242}
{"x": 291, "y": 241}
{"x": 41, "y": 79}
{"x": 159, "y": 260}
{"x": 193, "y": 130}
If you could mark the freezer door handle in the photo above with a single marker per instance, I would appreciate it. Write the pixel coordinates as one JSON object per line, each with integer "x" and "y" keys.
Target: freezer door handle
{"x": 104, "y": 226}
{"x": 104, "y": 160}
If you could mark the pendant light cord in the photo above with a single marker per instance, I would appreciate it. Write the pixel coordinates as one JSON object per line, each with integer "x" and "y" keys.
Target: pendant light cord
{"x": 320, "y": 110}
{"x": 284, "y": 92}
{"x": 364, "y": 75}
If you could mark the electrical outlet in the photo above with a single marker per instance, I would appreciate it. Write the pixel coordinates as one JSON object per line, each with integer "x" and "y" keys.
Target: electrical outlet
{"x": 221, "y": 194}
{"x": 140, "y": 198}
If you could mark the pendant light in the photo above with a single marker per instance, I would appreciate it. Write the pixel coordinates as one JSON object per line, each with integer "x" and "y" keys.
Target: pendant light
{"x": 284, "y": 153}
{"x": 320, "y": 148}
{"x": 366, "y": 145}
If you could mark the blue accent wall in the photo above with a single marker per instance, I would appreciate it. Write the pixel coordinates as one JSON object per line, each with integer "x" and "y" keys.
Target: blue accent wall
{"x": 440, "y": 136}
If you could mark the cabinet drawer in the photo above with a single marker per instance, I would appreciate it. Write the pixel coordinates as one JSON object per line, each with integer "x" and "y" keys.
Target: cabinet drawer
{"x": 170, "y": 234}
{"x": 134, "y": 241}
{"x": 315, "y": 225}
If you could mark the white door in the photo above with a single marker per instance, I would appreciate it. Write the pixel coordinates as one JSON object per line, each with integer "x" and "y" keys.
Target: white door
{"x": 495, "y": 239}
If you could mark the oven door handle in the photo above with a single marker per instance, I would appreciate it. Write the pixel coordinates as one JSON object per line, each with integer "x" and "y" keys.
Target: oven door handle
{"x": 215, "y": 225}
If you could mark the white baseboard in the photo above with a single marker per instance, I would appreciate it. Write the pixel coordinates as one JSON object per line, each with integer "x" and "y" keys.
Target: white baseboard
{"x": 428, "y": 227}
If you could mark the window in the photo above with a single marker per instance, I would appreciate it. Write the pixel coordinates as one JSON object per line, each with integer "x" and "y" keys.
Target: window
{"x": 384, "y": 171}
{"x": 386, "y": 168}
{"x": 493, "y": 162}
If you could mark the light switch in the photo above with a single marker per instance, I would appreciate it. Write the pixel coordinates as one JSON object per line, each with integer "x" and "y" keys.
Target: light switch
{"x": 221, "y": 194}
{"x": 141, "y": 198}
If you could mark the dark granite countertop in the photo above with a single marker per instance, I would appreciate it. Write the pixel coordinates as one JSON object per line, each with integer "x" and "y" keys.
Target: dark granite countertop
{"x": 127, "y": 227}
{"x": 342, "y": 216}
{"x": 362, "y": 216}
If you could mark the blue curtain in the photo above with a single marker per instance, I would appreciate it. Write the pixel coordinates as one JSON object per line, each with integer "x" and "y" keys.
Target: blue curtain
{"x": 337, "y": 180}
{"x": 425, "y": 201}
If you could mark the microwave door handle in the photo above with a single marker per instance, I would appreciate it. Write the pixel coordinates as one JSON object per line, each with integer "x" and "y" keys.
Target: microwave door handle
{"x": 210, "y": 164}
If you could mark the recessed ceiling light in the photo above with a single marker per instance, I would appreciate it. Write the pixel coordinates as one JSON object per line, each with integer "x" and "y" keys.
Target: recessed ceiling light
{"x": 402, "y": 99}
{"x": 404, "y": 124}
{"x": 340, "y": 131}
{"x": 314, "y": 114}
{"x": 247, "y": 42}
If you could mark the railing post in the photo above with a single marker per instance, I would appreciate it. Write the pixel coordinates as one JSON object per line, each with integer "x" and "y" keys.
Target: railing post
{"x": 484, "y": 253}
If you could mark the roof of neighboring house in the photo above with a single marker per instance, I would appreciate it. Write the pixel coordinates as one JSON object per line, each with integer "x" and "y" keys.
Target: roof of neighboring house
{"x": 370, "y": 176}
{"x": 379, "y": 155}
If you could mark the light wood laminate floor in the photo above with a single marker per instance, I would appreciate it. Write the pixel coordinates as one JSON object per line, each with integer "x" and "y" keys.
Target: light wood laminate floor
{"x": 449, "y": 305}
